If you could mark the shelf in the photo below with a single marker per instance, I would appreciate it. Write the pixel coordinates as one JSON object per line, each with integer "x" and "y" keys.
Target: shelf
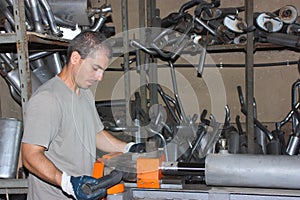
{"x": 242, "y": 47}
{"x": 13, "y": 186}
{"x": 36, "y": 42}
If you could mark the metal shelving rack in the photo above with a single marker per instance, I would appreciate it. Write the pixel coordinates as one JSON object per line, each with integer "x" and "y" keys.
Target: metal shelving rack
{"x": 21, "y": 42}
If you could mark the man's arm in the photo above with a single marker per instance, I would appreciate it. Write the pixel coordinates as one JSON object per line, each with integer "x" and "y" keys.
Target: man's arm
{"x": 108, "y": 143}
{"x": 37, "y": 163}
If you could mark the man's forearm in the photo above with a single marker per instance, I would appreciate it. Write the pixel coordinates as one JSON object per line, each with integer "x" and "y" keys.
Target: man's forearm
{"x": 37, "y": 163}
{"x": 108, "y": 143}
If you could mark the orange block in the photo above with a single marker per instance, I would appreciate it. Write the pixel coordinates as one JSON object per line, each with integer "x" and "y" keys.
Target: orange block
{"x": 98, "y": 169}
{"x": 148, "y": 173}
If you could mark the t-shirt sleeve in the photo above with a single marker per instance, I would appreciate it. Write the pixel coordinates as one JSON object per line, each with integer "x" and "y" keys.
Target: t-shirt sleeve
{"x": 42, "y": 119}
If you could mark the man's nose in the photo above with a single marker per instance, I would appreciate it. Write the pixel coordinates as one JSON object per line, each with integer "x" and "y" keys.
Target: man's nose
{"x": 99, "y": 76}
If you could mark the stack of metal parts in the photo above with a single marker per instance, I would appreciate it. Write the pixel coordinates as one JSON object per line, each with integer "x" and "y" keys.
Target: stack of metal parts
{"x": 187, "y": 140}
{"x": 49, "y": 18}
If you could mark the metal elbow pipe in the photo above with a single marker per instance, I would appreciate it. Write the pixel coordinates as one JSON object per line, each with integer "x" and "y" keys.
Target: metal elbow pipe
{"x": 36, "y": 17}
{"x": 99, "y": 24}
{"x": 50, "y": 17}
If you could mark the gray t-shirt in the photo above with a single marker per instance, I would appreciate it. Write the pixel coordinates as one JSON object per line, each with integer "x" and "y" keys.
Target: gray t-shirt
{"x": 66, "y": 125}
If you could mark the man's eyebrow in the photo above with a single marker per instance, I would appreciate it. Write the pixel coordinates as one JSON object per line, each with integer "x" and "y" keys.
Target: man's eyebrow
{"x": 99, "y": 66}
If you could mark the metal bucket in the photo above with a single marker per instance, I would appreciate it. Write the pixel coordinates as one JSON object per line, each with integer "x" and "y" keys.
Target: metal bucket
{"x": 10, "y": 142}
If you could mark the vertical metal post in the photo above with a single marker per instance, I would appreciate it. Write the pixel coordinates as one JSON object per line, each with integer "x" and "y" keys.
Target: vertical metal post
{"x": 22, "y": 50}
{"x": 151, "y": 6}
{"x": 143, "y": 89}
{"x": 126, "y": 59}
{"x": 249, "y": 75}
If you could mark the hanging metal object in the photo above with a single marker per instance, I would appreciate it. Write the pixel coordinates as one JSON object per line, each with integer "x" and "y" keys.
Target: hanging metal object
{"x": 269, "y": 22}
{"x": 234, "y": 23}
{"x": 288, "y": 14}
{"x": 214, "y": 14}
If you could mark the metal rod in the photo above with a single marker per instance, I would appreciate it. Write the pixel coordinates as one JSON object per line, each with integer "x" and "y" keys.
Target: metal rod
{"x": 142, "y": 57}
{"x": 249, "y": 74}
{"x": 126, "y": 58}
{"x": 153, "y": 75}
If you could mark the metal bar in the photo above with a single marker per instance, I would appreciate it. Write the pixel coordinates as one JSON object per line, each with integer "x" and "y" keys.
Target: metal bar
{"x": 249, "y": 75}
{"x": 22, "y": 49}
{"x": 13, "y": 183}
{"x": 151, "y": 6}
{"x": 126, "y": 59}
{"x": 143, "y": 75}
{"x": 8, "y": 38}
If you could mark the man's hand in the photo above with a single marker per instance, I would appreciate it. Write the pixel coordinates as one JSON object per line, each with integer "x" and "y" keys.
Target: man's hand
{"x": 89, "y": 188}
{"x": 73, "y": 186}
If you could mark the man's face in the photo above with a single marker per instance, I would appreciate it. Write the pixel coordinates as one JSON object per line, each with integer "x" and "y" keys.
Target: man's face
{"x": 91, "y": 69}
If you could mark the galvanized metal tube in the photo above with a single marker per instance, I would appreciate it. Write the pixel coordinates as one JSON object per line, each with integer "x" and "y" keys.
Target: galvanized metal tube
{"x": 99, "y": 24}
{"x": 268, "y": 171}
{"x": 50, "y": 17}
{"x": 36, "y": 17}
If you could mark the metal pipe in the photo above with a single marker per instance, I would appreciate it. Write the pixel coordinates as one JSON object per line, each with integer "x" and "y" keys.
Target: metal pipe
{"x": 43, "y": 16}
{"x": 38, "y": 55}
{"x": 174, "y": 83}
{"x": 136, "y": 44}
{"x": 168, "y": 167}
{"x": 295, "y": 94}
{"x": 36, "y": 16}
{"x": 8, "y": 61}
{"x": 50, "y": 17}
{"x": 7, "y": 27}
{"x": 57, "y": 64}
{"x": 166, "y": 101}
{"x": 99, "y": 24}
{"x": 206, "y": 26}
{"x": 162, "y": 139}
{"x": 245, "y": 170}
{"x": 202, "y": 59}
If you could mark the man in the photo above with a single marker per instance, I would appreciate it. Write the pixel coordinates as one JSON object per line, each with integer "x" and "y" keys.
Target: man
{"x": 62, "y": 128}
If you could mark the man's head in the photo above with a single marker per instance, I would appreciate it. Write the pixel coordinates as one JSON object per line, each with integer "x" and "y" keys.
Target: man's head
{"x": 88, "y": 57}
{"x": 87, "y": 43}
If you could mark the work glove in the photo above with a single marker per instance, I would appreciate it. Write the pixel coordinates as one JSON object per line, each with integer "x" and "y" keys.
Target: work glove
{"x": 89, "y": 188}
{"x": 135, "y": 147}
{"x": 73, "y": 186}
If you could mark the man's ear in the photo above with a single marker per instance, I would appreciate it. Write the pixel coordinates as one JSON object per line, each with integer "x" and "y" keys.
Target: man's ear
{"x": 75, "y": 57}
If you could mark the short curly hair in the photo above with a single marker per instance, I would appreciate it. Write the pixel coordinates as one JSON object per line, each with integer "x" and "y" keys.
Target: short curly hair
{"x": 88, "y": 42}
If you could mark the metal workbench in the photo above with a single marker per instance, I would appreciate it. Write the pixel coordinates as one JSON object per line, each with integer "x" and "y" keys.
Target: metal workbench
{"x": 191, "y": 191}
{"x": 202, "y": 192}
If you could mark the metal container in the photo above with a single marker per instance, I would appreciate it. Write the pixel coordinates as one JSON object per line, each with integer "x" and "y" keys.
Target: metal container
{"x": 10, "y": 142}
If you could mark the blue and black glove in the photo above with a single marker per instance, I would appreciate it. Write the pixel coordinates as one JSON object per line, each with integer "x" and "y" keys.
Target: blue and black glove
{"x": 135, "y": 147}
{"x": 87, "y": 187}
